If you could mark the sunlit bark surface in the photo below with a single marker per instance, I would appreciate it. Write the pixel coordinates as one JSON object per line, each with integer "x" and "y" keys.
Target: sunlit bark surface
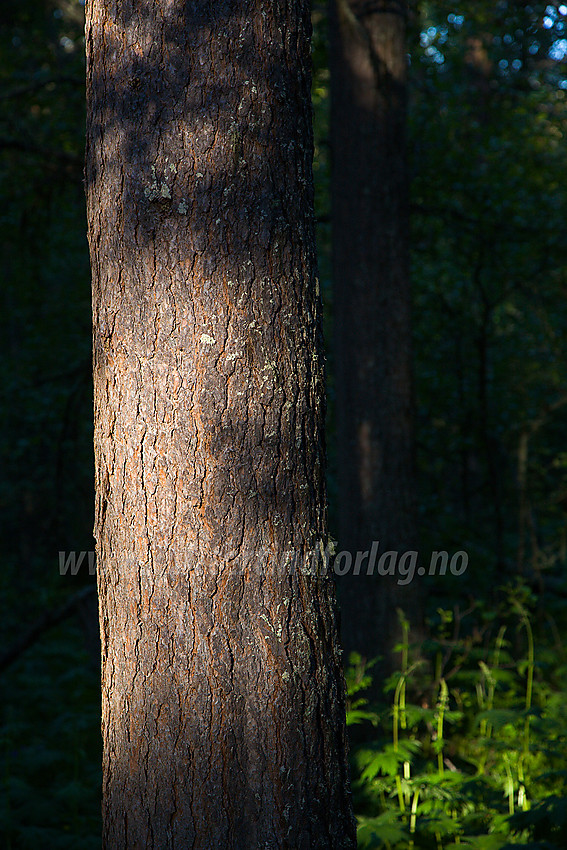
{"x": 223, "y": 707}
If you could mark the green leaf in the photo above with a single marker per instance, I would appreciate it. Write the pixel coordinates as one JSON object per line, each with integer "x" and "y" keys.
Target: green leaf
{"x": 355, "y": 716}
{"x": 375, "y": 832}
{"x": 499, "y": 717}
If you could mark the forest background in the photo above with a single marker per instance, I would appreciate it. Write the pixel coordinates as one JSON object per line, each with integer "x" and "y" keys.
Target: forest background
{"x": 468, "y": 745}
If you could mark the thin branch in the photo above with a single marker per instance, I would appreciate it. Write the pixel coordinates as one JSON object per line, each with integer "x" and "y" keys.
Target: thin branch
{"x": 46, "y": 153}
{"x": 30, "y": 88}
{"x": 52, "y": 618}
{"x": 84, "y": 367}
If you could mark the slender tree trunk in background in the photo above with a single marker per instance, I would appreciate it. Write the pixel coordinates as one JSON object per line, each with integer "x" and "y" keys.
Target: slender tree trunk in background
{"x": 374, "y": 394}
{"x": 223, "y": 706}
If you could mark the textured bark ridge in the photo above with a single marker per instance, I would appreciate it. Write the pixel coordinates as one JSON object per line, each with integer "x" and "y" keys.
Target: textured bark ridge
{"x": 374, "y": 400}
{"x": 223, "y": 705}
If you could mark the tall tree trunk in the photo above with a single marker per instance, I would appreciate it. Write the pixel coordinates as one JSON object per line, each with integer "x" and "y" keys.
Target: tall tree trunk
{"x": 374, "y": 395}
{"x": 223, "y": 705}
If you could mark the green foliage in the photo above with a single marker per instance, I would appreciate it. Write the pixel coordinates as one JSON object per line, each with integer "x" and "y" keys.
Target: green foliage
{"x": 478, "y": 758}
{"x": 489, "y": 168}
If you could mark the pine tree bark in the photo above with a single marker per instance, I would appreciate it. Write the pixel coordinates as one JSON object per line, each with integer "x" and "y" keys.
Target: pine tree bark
{"x": 223, "y": 706}
{"x": 372, "y": 316}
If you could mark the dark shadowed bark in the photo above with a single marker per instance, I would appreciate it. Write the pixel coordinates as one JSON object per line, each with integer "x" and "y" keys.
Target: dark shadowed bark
{"x": 374, "y": 401}
{"x": 223, "y": 706}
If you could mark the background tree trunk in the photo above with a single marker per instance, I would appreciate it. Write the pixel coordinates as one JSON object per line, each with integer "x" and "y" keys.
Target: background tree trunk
{"x": 374, "y": 394}
{"x": 223, "y": 704}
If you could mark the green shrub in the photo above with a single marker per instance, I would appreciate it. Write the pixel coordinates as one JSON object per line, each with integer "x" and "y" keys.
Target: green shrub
{"x": 469, "y": 749}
